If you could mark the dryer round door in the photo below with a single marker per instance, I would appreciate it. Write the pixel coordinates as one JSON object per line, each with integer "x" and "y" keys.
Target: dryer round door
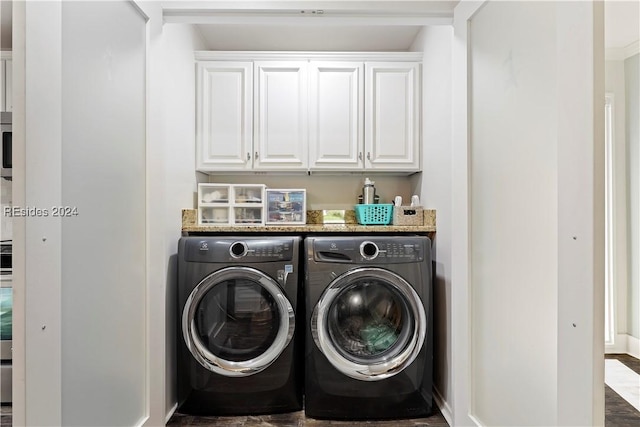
{"x": 369, "y": 323}
{"x": 237, "y": 321}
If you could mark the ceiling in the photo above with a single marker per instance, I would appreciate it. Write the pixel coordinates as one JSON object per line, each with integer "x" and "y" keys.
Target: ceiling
{"x": 621, "y": 23}
{"x": 312, "y": 25}
{"x": 622, "y": 28}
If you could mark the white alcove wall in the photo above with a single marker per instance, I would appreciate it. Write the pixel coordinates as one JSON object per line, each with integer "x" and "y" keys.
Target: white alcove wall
{"x": 528, "y": 204}
{"x": 80, "y": 279}
{"x": 434, "y": 187}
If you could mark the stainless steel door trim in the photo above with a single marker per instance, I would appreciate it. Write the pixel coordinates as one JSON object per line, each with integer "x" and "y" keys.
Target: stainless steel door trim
{"x": 246, "y": 367}
{"x": 378, "y": 370}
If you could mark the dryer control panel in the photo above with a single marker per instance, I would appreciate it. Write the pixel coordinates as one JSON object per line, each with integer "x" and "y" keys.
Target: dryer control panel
{"x": 239, "y": 250}
{"x": 380, "y": 250}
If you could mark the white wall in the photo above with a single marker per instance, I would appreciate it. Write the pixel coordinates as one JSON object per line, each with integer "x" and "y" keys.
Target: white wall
{"x": 528, "y": 200}
{"x": 435, "y": 191}
{"x": 103, "y": 247}
{"x": 179, "y": 177}
{"x": 514, "y": 214}
{"x": 632, "y": 84}
{"x": 18, "y": 224}
{"x": 79, "y": 339}
{"x": 328, "y": 191}
{"x": 614, "y": 84}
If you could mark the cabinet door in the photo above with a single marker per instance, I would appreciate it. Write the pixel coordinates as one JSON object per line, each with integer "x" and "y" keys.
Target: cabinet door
{"x": 3, "y": 85}
{"x": 392, "y": 108}
{"x": 281, "y": 115}
{"x": 224, "y": 116}
{"x": 336, "y": 115}
{"x": 8, "y": 85}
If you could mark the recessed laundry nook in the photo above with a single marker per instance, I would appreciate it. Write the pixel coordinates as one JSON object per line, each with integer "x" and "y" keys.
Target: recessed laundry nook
{"x": 312, "y": 212}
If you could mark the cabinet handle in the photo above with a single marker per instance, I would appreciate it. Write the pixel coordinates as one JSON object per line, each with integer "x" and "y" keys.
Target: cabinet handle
{"x": 248, "y": 156}
{"x": 369, "y": 155}
{"x": 360, "y": 155}
{"x": 255, "y": 156}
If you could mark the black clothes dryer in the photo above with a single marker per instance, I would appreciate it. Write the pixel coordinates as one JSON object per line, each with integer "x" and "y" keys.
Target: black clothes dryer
{"x": 369, "y": 331}
{"x": 238, "y": 348}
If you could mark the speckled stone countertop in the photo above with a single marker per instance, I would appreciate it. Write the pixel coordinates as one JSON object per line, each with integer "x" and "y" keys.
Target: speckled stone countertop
{"x": 314, "y": 225}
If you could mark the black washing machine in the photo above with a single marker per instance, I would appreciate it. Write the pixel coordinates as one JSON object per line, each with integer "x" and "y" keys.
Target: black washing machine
{"x": 369, "y": 331}
{"x": 238, "y": 348}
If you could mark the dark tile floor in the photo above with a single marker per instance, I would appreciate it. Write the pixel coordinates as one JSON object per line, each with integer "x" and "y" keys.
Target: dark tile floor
{"x": 297, "y": 419}
{"x": 618, "y": 413}
{"x": 5, "y": 415}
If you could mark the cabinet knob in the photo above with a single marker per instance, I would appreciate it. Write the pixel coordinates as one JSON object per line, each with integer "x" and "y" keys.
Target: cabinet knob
{"x": 369, "y": 155}
{"x": 255, "y": 156}
{"x": 248, "y": 156}
{"x": 360, "y": 155}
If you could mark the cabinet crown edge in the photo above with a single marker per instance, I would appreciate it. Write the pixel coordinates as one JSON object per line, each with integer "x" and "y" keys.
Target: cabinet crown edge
{"x": 209, "y": 55}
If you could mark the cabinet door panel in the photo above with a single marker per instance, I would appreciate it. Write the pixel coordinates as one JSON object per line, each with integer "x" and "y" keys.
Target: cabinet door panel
{"x": 8, "y": 89}
{"x": 224, "y": 129}
{"x": 3, "y": 85}
{"x": 336, "y": 115}
{"x": 392, "y": 131}
{"x": 281, "y": 115}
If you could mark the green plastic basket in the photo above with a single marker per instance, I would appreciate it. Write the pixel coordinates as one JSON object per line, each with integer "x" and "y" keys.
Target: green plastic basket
{"x": 378, "y": 214}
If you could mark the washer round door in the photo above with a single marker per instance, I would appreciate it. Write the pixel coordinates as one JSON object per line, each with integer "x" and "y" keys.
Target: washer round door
{"x": 369, "y": 323}
{"x": 237, "y": 321}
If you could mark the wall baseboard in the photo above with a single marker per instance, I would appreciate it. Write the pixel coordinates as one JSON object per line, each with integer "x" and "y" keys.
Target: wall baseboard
{"x": 624, "y": 344}
{"x": 444, "y": 407}
{"x": 633, "y": 346}
{"x": 171, "y": 412}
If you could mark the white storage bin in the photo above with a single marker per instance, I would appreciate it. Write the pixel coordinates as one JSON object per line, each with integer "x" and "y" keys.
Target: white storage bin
{"x": 231, "y": 204}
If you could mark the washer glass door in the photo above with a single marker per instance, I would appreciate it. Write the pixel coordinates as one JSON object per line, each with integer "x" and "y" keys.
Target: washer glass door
{"x": 237, "y": 321}
{"x": 369, "y": 323}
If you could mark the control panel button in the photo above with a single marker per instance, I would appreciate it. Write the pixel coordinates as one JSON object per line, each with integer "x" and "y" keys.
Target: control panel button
{"x": 238, "y": 249}
{"x": 369, "y": 250}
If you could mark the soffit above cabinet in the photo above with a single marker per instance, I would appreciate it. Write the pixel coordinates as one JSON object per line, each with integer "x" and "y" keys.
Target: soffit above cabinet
{"x": 294, "y": 38}
{"x": 310, "y": 25}
{"x": 331, "y": 12}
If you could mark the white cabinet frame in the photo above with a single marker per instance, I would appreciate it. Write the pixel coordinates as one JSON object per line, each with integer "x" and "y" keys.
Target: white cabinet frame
{"x": 312, "y": 111}
{"x": 392, "y": 111}
{"x": 6, "y": 81}
{"x": 224, "y": 129}
{"x": 336, "y": 119}
{"x": 280, "y": 131}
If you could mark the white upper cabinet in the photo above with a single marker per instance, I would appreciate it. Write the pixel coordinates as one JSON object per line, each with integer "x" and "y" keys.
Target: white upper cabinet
{"x": 281, "y": 138}
{"x": 3, "y": 85}
{"x": 224, "y": 116}
{"x": 392, "y": 109}
{"x": 6, "y": 97}
{"x": 336, "y": 115}
{"x": 277, "y": 111}
{"x": 8, "y": 88}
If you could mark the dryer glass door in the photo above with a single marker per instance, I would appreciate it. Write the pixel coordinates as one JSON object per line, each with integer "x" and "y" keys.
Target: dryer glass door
{"x": 237, "y": 321}
{"x": 369, "y": 323}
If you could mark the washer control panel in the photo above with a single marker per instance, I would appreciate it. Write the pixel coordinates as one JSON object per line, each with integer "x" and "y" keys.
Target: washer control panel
{"x": 375, "y": 250}
{"x": 239, "y": 250}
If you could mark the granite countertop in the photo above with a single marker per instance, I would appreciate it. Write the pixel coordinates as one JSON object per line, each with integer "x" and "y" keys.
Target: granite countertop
{"x": 314, "y": 225}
